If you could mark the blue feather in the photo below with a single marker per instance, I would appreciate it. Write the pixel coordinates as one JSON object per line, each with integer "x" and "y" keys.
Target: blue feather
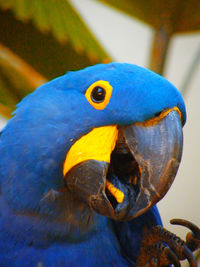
{"x": 33, "y": 147}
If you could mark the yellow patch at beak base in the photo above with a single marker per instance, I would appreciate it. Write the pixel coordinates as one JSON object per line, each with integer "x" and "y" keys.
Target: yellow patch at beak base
{"x": 96, "y": 145}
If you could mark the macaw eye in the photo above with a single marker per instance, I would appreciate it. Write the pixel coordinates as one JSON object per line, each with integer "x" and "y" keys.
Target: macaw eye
{"x": 99, "y": 94}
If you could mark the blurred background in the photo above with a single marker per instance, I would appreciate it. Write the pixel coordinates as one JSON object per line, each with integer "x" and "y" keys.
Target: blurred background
{"x": 42, "y": 39}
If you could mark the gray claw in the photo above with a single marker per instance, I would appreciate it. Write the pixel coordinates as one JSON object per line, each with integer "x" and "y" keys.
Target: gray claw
{"x": 188, "y": 224}
{"x": 172, "y": 257}
{"x": 190, "y": 257}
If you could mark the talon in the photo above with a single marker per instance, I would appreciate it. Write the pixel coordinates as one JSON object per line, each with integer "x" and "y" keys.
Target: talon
{"x": 172, "y": 257}
{"x": 188, "y": 224}
{"x": 192, "y": 238}
{"x": 154, "y": 251}
{"x": 190, "y": 257}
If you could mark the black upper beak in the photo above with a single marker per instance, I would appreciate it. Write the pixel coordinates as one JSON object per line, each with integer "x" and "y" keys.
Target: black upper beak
{"x": 143, "y": 166}
{"x": 158, "y": 151}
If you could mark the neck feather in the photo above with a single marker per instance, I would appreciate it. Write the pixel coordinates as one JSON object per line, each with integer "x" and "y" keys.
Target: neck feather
{"x": 61, "y": 218}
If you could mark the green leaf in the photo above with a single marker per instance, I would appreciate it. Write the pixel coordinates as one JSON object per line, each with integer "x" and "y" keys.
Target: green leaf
{"x": 62, "y": 20}
{"x": 40, "y": 50}
{"x": 7, "y": 98}
{"x": 38, "y": 39}
{"x": 179, "y": 16}
{"x": 22, "y": 9}
{"x": 5, "y": 111}
{"x": 17, "y": 79}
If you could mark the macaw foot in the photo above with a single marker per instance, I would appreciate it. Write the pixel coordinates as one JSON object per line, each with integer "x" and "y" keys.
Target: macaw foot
{"x": 160, "y": 247}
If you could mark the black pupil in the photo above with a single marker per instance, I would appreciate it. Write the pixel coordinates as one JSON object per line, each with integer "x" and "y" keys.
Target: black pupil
{"x": 98, "y": 94}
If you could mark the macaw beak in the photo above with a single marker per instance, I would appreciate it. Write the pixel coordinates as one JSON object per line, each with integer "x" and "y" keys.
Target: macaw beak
{"x": 142, "y": 167}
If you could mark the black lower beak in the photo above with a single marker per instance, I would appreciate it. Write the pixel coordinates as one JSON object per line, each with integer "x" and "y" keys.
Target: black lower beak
{"x": 149, "y": 153}
{"x": 87, "y": 180}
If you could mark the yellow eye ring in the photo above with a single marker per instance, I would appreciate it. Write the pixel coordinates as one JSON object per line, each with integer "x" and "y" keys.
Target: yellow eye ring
{"x": 99, "y": 94}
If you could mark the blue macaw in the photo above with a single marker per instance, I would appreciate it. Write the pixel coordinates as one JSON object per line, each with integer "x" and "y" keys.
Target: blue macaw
{"x": 84, "y": 160}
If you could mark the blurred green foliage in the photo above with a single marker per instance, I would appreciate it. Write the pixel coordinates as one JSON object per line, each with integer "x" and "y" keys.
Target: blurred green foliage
{"x": 167, "y": 17}
{"x": 40, "y": 40}
{"x": 175, "y": 15}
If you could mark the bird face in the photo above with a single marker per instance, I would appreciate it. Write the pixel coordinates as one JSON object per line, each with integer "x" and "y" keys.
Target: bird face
{"x": 122, "y": 170}
{"x": 111, "y": 135}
